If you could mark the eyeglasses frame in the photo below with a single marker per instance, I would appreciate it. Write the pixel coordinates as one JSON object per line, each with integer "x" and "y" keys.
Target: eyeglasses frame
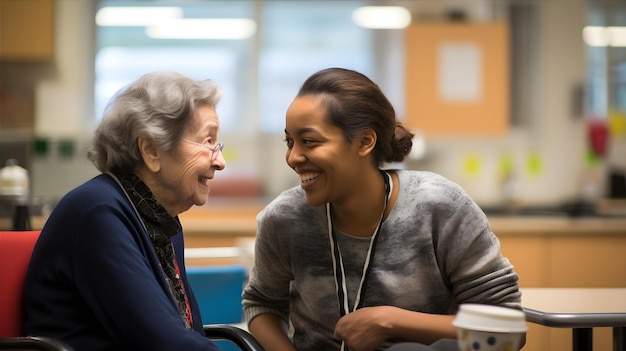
{"x": 219, "y": 147}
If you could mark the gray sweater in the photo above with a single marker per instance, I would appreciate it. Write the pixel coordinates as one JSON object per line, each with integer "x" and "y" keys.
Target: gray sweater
{"x": 435, "y": 251}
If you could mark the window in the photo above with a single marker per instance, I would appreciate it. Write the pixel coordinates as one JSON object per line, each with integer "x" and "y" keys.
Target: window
{"x": 298, "y": 39}
{"x": 126, "y": 52}
{"x": 260, "y": 74}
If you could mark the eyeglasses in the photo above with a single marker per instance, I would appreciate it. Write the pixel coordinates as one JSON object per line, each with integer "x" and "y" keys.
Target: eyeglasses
{"x": 215, "y": 148}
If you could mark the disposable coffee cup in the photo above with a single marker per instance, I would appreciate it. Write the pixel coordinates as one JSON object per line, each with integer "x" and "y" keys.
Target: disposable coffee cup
{"x": 489, "y": 328}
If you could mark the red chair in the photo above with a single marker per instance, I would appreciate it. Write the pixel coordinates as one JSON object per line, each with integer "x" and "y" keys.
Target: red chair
{"x": 16, "y": 248}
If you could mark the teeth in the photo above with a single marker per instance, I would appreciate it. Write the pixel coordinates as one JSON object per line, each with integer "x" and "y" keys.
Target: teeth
{"x": 308, "y": 177}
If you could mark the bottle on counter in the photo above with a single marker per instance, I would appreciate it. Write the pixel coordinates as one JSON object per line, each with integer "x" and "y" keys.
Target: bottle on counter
{"x": 14, "y": 189}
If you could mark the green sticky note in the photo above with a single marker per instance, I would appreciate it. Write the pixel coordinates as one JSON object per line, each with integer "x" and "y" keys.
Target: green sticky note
{"x": 67, "y": 148}
{"x": 591, "y": 159}
{"x": 534, "y": 164}
{"x": 41, "y": 147}
{"x": 505, "y": 165}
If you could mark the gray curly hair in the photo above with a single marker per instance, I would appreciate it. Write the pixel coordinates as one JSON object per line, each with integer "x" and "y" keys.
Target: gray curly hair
{"x": 159, "y": 105}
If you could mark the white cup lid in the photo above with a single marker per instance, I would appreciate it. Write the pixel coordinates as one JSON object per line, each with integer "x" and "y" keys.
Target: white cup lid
{"x": 490, "y": 318}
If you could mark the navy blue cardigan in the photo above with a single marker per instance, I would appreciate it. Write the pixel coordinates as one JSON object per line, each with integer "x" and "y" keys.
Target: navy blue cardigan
{"x": 95, "y": 282}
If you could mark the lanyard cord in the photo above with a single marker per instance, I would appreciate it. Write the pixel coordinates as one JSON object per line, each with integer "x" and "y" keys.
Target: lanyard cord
{"x": 340, "y": 275}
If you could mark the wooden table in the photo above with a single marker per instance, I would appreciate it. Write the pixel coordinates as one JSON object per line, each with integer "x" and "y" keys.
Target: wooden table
{"x": 581, "y": 309}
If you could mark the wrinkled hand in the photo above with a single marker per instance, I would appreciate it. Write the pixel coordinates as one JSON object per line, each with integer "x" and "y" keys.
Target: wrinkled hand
{"x": 364, "y": 329}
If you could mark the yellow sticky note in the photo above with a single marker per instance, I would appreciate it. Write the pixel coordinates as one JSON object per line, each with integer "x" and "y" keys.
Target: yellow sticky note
{"x": 472, "y": 165}
{"x": 617, "y": 124}
{"x": 230, "y": 155}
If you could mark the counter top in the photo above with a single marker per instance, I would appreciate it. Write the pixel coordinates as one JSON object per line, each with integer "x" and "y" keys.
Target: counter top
{"x": 236, "y": 217}
{"x": 239, "y": 219}
{"x": 515, "y": 225}
{"x": 195, "y": 222}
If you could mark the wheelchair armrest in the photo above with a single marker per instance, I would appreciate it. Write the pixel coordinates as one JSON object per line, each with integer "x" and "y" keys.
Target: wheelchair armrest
{"x": 238, "y": 336}
{"x": 39, "y": 343}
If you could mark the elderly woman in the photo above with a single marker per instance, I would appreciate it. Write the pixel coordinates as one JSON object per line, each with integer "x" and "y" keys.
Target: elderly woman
{"x": 108, "y": 272}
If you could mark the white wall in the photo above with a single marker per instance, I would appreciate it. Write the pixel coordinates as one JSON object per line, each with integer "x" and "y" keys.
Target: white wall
{"x": 553, "y": 135}
{"x": 64, "y": 101}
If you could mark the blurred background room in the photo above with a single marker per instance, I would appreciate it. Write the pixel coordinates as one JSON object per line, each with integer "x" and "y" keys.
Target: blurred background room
{"x": 516, "y": 131}
{"x": 521, "y": 102}
{"x": 550, "y": 87}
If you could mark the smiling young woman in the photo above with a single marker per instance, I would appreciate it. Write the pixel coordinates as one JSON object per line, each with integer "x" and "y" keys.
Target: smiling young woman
{"x": 358, "y": 256}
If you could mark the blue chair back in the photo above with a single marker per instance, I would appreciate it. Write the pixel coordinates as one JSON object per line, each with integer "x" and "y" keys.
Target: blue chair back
{"x": 218, "y": 290}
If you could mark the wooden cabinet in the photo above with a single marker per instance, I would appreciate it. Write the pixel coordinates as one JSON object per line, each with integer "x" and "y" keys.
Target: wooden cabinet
{"x": 565, "y": 253}
{"x": 26, "y": 30}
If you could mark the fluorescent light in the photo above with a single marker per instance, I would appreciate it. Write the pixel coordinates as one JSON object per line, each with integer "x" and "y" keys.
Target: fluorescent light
{"x": 595, "y": 36}
{"x": 618, "y": 36}
{"x": 382, "y": 17}
{"x": 203, "y": 28}
{"x": 136, "y": 16}
{"x": 604, "y": 36}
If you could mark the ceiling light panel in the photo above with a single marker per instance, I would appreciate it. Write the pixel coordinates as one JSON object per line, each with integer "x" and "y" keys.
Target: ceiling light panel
{"x": 128, "y": 16}
{"x": 382, "y": 17}
{"x": 203, "y": 28}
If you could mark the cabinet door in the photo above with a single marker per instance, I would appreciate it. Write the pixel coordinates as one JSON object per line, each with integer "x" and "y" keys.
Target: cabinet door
{"x": 26, "y": 30}
{"x": 594, "y": 261}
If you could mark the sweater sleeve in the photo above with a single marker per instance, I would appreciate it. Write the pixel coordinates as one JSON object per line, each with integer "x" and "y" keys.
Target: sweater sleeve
{"x": 268, "y": 290}
{"x": 471, "y": 260}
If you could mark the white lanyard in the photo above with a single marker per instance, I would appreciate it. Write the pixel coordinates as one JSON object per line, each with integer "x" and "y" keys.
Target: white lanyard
{"x": 340, "y": 275}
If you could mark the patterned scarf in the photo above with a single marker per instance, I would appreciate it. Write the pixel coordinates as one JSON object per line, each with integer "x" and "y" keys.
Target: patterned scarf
{"x": 161, "y": 227}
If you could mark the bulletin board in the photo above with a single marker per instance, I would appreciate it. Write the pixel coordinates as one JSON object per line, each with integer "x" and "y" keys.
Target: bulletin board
{"x": 457, "y": 78}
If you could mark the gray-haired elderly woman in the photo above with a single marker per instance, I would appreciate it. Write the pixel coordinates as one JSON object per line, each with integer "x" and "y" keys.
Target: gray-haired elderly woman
{"x": 107, "y": 272}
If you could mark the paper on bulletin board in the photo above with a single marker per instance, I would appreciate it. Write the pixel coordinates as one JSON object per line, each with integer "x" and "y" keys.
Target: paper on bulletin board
{"x": 460, "y": 72}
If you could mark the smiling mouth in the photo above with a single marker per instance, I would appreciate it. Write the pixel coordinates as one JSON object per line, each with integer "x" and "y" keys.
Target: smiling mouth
{"x": 308, "y": 177}
{"x": 204, "y": 180}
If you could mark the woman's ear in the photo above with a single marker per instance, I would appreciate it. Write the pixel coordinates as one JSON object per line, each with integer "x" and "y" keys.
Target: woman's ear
{"x": 149, "y": 153}
{"x": 367, "y": 142}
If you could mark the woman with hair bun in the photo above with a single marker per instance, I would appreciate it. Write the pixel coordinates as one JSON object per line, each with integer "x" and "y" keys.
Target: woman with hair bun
{"x": 359, "y": 257}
